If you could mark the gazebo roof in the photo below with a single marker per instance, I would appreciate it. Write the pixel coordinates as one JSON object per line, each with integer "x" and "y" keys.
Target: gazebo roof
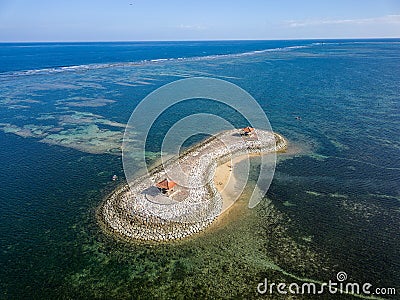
{"x": 248, "y": 129}
{"x": 166, "y": 184}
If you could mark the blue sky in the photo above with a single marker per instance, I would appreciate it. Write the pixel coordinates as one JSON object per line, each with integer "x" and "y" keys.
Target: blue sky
{"x": 120, "y": 20}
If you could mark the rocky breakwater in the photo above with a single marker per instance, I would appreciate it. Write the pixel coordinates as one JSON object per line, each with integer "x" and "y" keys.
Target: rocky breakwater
{"x": 132, "y": 213}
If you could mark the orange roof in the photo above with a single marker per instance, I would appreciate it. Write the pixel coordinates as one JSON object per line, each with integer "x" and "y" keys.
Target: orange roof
{"x": 166, "y": 184}
{"x": 248, "y": 129}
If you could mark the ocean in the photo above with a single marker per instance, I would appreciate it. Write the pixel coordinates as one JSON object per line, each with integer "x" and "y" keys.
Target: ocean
{"x": 333, "y": 206}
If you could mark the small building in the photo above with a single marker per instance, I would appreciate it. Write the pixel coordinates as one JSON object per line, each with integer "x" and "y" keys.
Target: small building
{"x": 247, "y": 131}
{"x": 166, "y": 186}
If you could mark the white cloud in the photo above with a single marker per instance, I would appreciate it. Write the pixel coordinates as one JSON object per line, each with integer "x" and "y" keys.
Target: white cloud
{"x": 389, "y": 19}
{"x": 192, "y": 27}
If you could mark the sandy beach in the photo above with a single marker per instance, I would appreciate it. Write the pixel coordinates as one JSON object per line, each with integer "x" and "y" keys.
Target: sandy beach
{"x": 225, "y": 181}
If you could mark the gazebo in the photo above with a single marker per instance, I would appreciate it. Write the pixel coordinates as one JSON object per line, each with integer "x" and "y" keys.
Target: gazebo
{"x": 166, "y": 186}
{"x": 248, "y": 130}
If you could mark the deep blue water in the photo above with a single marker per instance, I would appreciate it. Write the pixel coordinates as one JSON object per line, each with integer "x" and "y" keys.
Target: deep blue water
{"x": 31, "y": 56}
{"x": 339, "y": 199}
{"x": 37, "y": 56}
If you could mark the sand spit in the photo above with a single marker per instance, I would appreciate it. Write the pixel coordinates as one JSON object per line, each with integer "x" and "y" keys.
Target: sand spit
{"x": 141, "y": 212}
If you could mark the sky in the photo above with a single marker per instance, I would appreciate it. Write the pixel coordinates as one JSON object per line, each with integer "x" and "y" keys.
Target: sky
{"x": 140, "y": 20}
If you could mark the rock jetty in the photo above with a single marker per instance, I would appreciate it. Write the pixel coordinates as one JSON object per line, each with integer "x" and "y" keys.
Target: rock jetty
{"x": 140, "y": 211}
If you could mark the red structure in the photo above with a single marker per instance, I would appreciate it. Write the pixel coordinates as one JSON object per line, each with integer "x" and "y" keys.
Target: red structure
{"x": 248, "y": 130}
{"x": 166, "y": 186}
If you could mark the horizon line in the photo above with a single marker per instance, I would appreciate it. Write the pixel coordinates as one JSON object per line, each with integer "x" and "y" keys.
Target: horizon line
{"x": 197, "y": 40}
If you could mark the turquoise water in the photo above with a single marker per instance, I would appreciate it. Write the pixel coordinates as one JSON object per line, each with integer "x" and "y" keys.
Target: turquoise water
{"x": 334, "y": 206}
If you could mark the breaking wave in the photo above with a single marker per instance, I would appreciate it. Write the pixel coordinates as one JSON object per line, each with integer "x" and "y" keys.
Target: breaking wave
{"x": 86, "y": 67}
